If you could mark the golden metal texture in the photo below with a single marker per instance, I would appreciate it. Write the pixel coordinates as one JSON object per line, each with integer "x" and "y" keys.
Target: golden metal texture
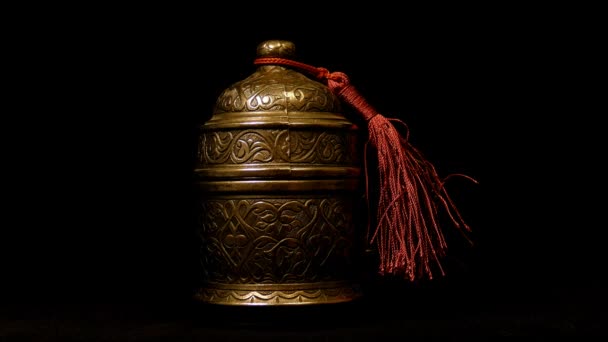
{"x": 279, "y": 176}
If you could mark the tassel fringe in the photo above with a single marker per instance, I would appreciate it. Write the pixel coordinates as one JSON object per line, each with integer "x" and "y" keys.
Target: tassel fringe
{"x": 411, "y": 193}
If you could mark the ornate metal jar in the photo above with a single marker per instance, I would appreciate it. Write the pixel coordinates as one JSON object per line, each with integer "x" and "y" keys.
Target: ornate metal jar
{"x": 279, "y": 178}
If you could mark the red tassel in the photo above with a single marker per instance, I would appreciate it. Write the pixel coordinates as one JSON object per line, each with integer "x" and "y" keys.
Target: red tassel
{"x": 411, "y": 193}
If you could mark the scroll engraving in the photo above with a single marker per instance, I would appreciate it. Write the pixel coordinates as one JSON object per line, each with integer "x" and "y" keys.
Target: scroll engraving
{"x": 275, "y": 88}
{"x": 276, "y": 146}
{"x": 240, "y": 147}
{"x": 275, "y": 240}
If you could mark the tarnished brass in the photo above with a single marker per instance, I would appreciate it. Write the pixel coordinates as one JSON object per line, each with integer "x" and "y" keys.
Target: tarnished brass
{"x": 279, "y": 177}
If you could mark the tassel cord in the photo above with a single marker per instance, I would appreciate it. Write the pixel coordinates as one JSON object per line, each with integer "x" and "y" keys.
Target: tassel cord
{"x": 407, "y": 232}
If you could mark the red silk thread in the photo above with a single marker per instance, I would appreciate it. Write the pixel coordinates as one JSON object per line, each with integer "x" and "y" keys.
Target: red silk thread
{"x": 407, "y": 231}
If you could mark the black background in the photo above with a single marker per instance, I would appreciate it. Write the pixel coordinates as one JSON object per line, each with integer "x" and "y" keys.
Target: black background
{"x": 102, "y": 142}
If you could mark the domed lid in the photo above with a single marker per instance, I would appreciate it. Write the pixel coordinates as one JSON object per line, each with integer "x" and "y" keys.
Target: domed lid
{"x": 275, "y": 88}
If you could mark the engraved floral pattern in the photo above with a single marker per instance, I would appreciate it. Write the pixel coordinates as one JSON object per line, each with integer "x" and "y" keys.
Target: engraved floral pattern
{"x": 274, "y": 88}
{"x": 276, "y": 146}
{"x": 275, "y": 240}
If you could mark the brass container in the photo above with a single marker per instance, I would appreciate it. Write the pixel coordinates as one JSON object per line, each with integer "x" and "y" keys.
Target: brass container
{"x": 279, "y": 179}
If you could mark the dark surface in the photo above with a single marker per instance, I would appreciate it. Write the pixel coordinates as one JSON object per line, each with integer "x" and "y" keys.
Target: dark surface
{"x": 482, "y": 310}
{"x": 100, "y": 242}
{"x": 546, "y": 313}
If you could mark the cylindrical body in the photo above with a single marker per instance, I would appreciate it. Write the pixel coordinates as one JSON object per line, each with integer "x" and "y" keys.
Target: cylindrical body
{"x": 279, "y": 178}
